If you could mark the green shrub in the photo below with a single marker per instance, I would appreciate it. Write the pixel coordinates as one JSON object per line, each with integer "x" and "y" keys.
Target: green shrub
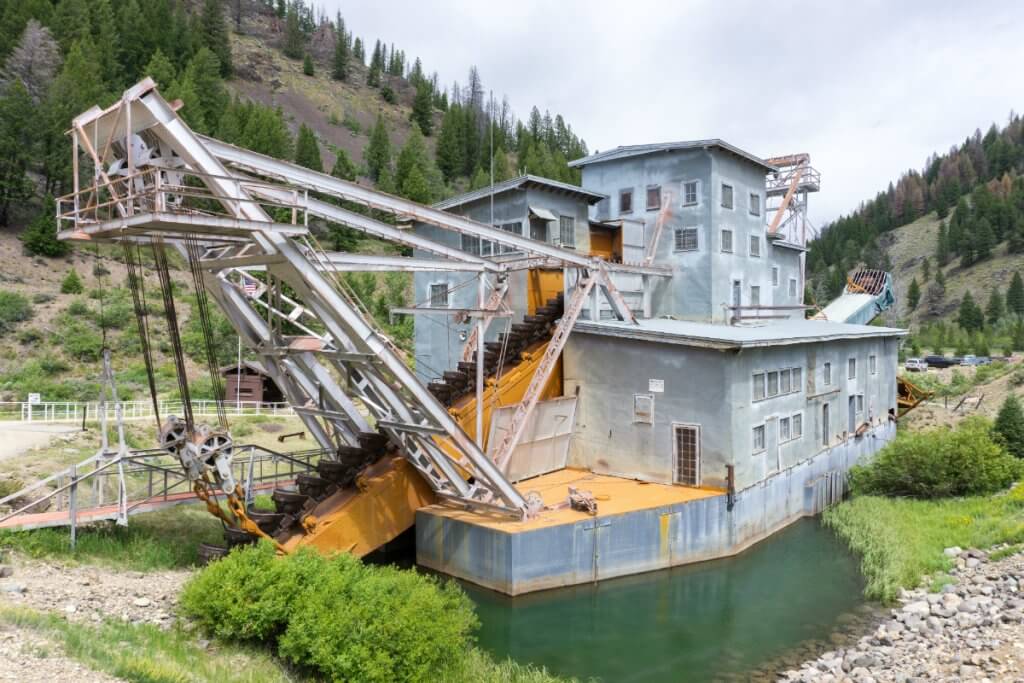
{"x": 352, "y": 123}
{"x": 30, "y": 336}
{"x": 14, "y": 308}
{"x": 99, "y": 270}
{"x": 40, "y": 237}
{"x": 71, "y": 284}
{"x": 1009, "y": 426}
{"x": 42, "y": 298}
{"x": 79, "y": 340}
{"x": 938, "y": 463}
{"x": 78, "y": 308}
{"x": 52, "y": 366}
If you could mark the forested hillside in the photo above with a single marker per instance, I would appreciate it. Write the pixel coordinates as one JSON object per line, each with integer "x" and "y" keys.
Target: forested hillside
{"x": 281, "y": 78}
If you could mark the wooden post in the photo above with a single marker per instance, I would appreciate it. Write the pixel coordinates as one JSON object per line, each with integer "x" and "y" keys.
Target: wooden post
{"x": 73, "y": 505}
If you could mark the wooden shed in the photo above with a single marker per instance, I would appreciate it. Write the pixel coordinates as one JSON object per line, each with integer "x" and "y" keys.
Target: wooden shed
{"x": 250, "y": 382}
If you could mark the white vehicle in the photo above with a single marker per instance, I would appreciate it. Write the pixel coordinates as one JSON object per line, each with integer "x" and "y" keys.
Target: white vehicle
{"x": 916, "y": 365}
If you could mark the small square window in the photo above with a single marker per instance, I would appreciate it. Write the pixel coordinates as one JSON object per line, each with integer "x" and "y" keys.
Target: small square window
{"x": 873, "y": 365}
{"x": 690, "y": 193}
{"x": 686, "y": 239}
{"x": 775, "y": 276}
{"x": 759, "y": 386}
{"x": 625, "y": 201}
{"x": 773, "y": 384}
{"x": 798, "y": 425}
{"x": 755, "y": 295}
{"x": 783, "y": 429}
{"x": 797, "y": 375}
{"x": 826, "y": 371}
{"x": 727, "y": 196}
{"x": 439, "y": 295}
{"x": 852, "y": 369}
{"x": 755, "y": 246}
{"x": 758, "y": 438}
{"x": 792, "y": 287}
{"x": 784, "y": 382}
{"x": 654, "y": 197}
{"x": 567, "y": 231}
{"x": 755, "y": 204}
{"x": 643, "y": 408}
{"x": 727, "y": 241}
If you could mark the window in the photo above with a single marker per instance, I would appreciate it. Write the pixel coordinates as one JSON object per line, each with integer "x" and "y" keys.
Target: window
{"x": 773, "y": 384}
{"x": 654, "y": 197}
{"x": 755, "y": 204}
{"x": 860, "y": 403}
{"x": 690, "y": 193}
{"x": 758, "y": 438}
{"x": 759, "y": 386}
{"x": 826, "y": 371}
{"x": 826, "y": 426}
{"x": 784, "y": 382}
{"x": 797, "y": 374}
{"x": 755, "y": 246}
{"x": 755, "y": 295}
{"x": 727, "y": 241}
{"x": 687, "y": 465}
{"x": 625, "y": 201}
{"x": 873, "y": 365}
{"x": 852, "y": 367}
{"x": 783, "y": 429}
{"x": 798, "y": 425}
{"x": 643, "y": 408}
{"x": 792, "y": 287}
{"x": 686, "y": 239}
{"x": 567, "y": 231}
{"x": 471, "y": 245}
{"x": 726, "y": 196}
{"x": 513, "y": 228}
{"x": 775, "y": 276}
{"x": 439, "y": 295}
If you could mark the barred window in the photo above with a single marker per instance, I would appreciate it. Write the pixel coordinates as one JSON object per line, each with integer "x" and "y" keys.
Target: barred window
{"x": 567, "y": 231}
{"x": 654, "y": 197}
{"x": 727, "y": 196}
{"x": 686, "y": 239}
{"x": 690, "y": 193}
{"x": 727, "y": 241}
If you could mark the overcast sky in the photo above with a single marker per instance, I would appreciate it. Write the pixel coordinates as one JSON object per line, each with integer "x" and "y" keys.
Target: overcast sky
{"x": 868, "y": 89}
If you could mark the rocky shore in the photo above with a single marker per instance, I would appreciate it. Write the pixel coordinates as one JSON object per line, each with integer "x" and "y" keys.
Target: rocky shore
{"x": 970, "y": 630}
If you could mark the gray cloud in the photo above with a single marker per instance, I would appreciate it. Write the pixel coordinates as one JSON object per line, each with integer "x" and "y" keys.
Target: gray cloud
{"x": 869, "y": 89}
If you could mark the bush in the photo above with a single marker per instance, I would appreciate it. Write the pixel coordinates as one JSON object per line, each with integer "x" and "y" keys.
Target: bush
{"x": 42, "y": 298}
{"x": 14, "y": 308}
{"x": 346, "y": 620}
{"x": 1009, "y": 426}
{"x": 79, "y": 340}
{"x": 71, "y": 284}
{"x": 40, "y": 237}
{"x": 78, "y": 308}
{"x": 30, "y": 336}
{"x": 938, "y": 463}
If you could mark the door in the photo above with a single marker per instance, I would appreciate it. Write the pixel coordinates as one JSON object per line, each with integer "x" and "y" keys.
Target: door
{"x": 826, "y": 428}
{"x": 686, "y": 467}
{"x": 736, "y": 287}
{"x": 852, "y": 419}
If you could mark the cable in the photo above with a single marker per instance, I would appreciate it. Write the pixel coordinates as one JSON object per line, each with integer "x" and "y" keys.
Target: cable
{"x": 203, "y": 306}
{"x": 136, "y": 283}
{"x": 160, "y": 261}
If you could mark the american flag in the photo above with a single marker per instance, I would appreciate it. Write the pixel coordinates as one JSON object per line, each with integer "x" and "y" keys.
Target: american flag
{"x": 250, "y": 285}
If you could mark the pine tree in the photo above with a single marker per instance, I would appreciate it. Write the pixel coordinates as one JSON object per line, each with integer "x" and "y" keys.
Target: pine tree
{"x": 449, "y": 143}
{"x": 358, "y": 51}
{"x": 376, "y": 66}
{"x": 294, "y": 40}
{"x": 416, "y": 175}
{"x": 377, "y": 155}
{"x": 984, "y": 239}
{"x": 307, "y": 151}
{"x": 160, "y": 69}
{"x": 203, "y": 71}
{"x": 913, "y": 294}
{"x": 106, "y": 40}
{"x": 423, "y": 109}
{"x": 40, "y": 237}
{"x": 415, "y": 187}
{"x": 1015, "y": 295}
{"x": 307, "y": 65}
{"x": 343, "y": 167}
{"x": 942, "y": 250}
{"x": 18, "y": 130}
{"x": 71, "y": 284}
{"x": 994, "y": 309}
{"x": 215, "y": 34}
{"x": 926, "y": 269}
{"x": 969, "y": 317}
{"x": 341, "y": 53}
{"x": 1009, "y": 426}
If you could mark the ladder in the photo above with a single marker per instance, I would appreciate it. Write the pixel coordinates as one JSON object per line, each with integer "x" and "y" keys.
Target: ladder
{"x": 517, "y": 426}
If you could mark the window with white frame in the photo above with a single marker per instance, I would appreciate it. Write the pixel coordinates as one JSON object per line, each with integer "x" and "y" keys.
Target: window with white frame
{"x": 798, "y": 425}
{"x": 755, "y": 295}
{"x": 783, "y": 429}
{"x": 755, "y": 246}
{"x": 773, "y": 384}
{"x": 826, "y": 374}
{"x": 727, "y": 241}
{"x": 792, "y": 287}
{"x": 759, "y": 386}
{"x": 785, "y": 379}
{"x": 797, "y": 378}
{"x": 439, "y": 295}
{"x": 775, "y": 276}
{"x": 690, "y": 192}
{"x": 653, "y": 197}
{"x": 643, "y": 408}
{"x": 626, "y": 201}
{"x": 873, "y": 364}
{"x": 755, "y": 204}
{"x": 567, "y": 231}
{"x": 727, "y": 202}
{"x": 851, "y": 368}
{"x": 685, "y": 239}
{"x": 759, "y": 438}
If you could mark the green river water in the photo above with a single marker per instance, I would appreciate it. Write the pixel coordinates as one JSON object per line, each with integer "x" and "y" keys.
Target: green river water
{"x": 785, "y": 600}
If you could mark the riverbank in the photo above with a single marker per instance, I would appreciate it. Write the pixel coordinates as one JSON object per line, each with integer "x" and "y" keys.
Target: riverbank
{"x": 971, "y": 628}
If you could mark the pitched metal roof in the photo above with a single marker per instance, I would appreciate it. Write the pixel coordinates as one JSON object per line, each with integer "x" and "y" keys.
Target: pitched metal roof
{"x": 521, "y": 182}
{"x": 638, "y": 150}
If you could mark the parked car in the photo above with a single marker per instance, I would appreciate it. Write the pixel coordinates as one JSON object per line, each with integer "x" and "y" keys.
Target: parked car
{"x": 916, "y": 365}
{"x": 941, "y": 361}
{"x": 969, "y": 359}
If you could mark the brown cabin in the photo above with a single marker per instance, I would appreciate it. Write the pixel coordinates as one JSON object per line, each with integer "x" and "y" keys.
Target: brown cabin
{"x": 250, "y": 382}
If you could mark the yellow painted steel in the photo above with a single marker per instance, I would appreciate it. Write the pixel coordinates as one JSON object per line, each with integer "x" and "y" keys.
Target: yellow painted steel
{"x": 909, "y": 395}
{"x": 542, "y": 285}
{"x": 359, "y": 521}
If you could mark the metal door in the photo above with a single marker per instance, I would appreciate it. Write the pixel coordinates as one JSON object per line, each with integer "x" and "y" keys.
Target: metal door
{"x": 686, "y": 463}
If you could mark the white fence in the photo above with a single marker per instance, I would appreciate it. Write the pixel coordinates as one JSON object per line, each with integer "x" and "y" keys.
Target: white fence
{"x": 76, "y": 412}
